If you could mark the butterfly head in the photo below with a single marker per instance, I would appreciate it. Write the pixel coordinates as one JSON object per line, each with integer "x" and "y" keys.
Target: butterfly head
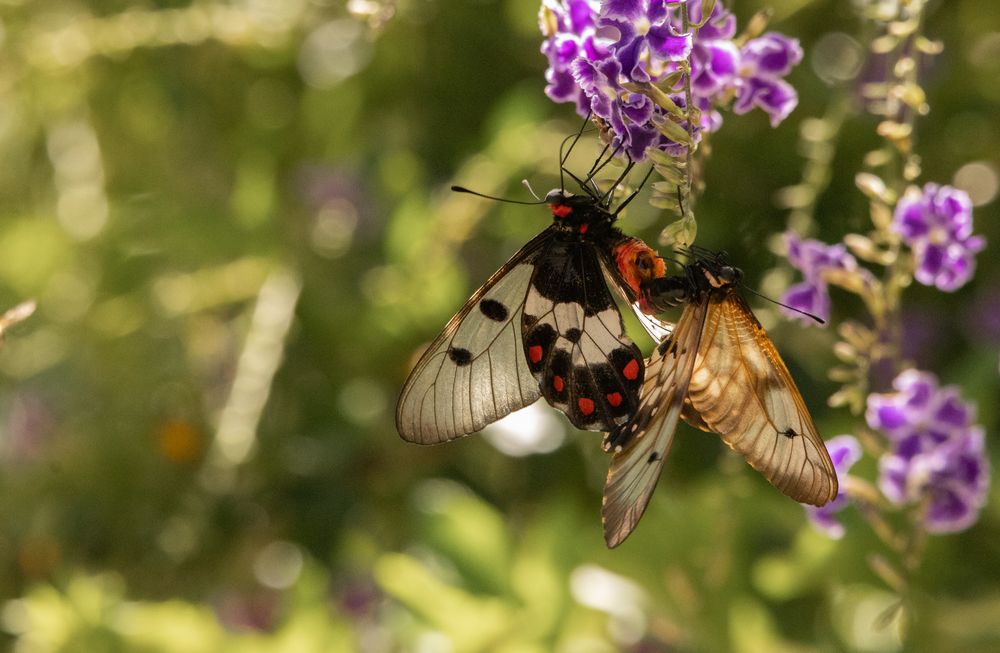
{"x": 579, "y": 213}
{"x": 706, "y": 276}
{"x": 710, "y": 271}
{"x": 559, "y": 201}
{"x": 721, "y": 277}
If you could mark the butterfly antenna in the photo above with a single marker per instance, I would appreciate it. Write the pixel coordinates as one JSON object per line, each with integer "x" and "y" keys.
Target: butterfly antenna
{"x": 527, "y": 184}
{"x": 463, "y": 189}
{"x": 817, "y": 318}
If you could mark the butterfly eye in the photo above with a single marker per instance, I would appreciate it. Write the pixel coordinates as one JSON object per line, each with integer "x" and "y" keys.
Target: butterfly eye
{"x": 642, "y": 262}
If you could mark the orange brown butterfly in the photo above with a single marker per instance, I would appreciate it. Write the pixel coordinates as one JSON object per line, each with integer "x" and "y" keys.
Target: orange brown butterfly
{"x": 720, "y": 372}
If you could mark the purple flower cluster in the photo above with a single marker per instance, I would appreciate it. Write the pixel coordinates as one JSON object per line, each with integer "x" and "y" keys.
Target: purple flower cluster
{"x": 818, "y": 262}
{"x": 936, "y": 223}
{"x": 570, "y": 27}
{"x": 765, "y": 61}
{"x": 937, "y": 454}
{"x": 844, "y": 452}
{"x": 601, "y": 54}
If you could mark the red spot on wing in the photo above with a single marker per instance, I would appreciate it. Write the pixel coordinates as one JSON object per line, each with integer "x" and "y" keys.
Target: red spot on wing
{"x": 631, "y": 371}
{"x": 615, "y": 399}
{"x": 584, "y": 227}
{"x": 558, "y": 384}
{"x": 561, "y": 210}
{"x": 586, "y": 405}
{"x": 535, "y": 353}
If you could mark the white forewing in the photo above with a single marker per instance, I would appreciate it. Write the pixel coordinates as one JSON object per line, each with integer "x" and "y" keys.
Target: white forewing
{"x": 474, "y": 373}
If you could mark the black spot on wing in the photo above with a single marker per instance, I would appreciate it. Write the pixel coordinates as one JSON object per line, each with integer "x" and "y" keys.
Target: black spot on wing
{"x": 459, "y": 356}
{"x": 653, "y": 457}
{"x": 788, "y": 433}
{"x": 494, "y": 310}
{"x": 573, "y": 335}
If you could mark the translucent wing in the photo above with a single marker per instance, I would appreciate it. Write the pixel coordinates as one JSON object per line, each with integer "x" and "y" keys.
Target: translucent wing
{"x": 742, "y": 390}
{"x": 640, "y": 446}
{"x": 575, "y": 342}
{"x": 657, "y": 329}
{"x": 475, "y": 372}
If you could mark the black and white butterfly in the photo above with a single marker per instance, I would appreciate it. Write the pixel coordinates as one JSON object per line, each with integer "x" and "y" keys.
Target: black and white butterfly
{"x": 544, "y": 325}
{"x": 720, "y": 372}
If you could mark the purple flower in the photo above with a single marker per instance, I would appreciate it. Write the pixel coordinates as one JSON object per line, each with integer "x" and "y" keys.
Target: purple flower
{"x": 844, "y": 452}
{"x": 646, "y": 40}
{"x": 937, "y": 453}
{"x": 919, "y": 415}
{"x": 627, "y": 113}
{"x": 720, "y": 26}
{"x": 715, "y": 61}
{"x": 936, "y": 223}
{"x": 763, "y": 62}
{"x": 817, "y": 261}
{"x": 713, "y": 67}
{"x": 953, "y": 477}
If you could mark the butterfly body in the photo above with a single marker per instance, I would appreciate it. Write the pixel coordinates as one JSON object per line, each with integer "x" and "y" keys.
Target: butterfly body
{"x": 545, "y": 324}
{"x": 720, "y": 372}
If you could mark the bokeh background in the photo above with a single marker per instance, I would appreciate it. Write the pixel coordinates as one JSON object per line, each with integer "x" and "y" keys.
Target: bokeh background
{"x": 235, "y": 220}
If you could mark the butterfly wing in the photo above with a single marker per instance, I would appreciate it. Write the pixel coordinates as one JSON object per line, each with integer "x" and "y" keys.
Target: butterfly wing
{"x": 641, "y": 445}
{"x": 742, "y": 390}
{"x": 475, "y": 372}
{"x": 657, "y": 329}
{"x": 574, "y": 338}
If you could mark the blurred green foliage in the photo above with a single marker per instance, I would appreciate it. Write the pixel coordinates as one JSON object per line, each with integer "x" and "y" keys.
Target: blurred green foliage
{"x": 234, "y": 218}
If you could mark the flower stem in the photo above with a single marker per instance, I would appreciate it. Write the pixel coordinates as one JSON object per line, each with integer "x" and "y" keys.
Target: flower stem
{"x": 689, "y": 105}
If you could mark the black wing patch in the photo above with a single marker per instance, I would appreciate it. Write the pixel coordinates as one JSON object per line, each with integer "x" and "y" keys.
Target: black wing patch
{"x": 574, "y": 339}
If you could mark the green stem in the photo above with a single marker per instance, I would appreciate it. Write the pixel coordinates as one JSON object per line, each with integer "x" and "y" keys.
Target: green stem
{"x": 689, "y": 102}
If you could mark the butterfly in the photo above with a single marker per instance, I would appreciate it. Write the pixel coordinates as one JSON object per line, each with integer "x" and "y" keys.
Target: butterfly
{"x": 544, "y": 325}
{"x": 720, "y": 372}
